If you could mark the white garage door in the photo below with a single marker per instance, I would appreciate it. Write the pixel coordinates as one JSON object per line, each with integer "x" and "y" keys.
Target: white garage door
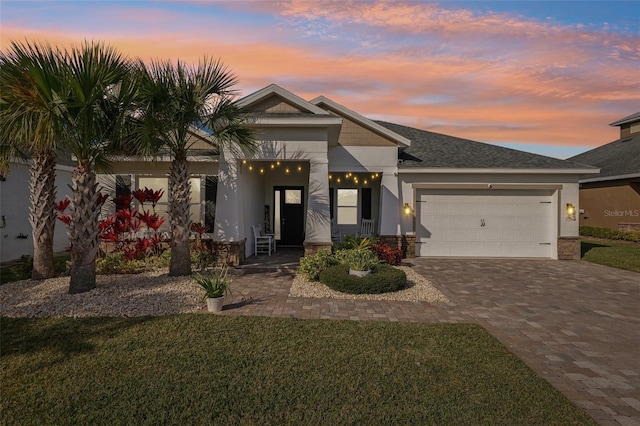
{"x": 485, "y": 223}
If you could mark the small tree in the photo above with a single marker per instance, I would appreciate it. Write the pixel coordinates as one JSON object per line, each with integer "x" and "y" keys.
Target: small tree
{"x": 31, "y": 79}
{"x": 99, "y": 90}
{"x": 175, "y": 99}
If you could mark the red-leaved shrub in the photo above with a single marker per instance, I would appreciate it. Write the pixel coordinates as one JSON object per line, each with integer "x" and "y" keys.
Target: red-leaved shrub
{"x": 387, "y": 254}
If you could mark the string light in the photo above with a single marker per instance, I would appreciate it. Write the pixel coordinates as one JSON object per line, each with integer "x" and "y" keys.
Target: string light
{"x": 357, "y": 178}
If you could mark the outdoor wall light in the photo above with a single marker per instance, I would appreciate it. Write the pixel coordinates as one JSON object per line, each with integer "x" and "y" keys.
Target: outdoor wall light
{"x": 407, "y": 209}
{"x": 571, "y": 211}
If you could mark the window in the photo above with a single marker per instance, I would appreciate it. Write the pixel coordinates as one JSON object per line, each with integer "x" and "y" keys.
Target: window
{"x": 195, "y": 205}
{"x": 292, "y": 196}
{"x": 210, "y": 193}
{"x": 157, "y": 183}
{"x": 123, "y": 185}
{"x": 347, "y": 207}
{"x": 203, "y": 198}
{"x": 366, "y": 203}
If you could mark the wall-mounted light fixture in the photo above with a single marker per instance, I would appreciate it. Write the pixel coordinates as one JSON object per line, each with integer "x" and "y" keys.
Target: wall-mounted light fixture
{"x": 3, "y": 222}
{"x": 571, "y": 211}
{"x": 407, "y": 209}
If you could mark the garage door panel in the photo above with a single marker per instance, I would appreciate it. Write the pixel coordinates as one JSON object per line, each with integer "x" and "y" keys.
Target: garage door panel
{"x": 485, "y": 223}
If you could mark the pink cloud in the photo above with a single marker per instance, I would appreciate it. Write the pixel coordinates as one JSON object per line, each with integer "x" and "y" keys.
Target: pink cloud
{"x": 494, "y": 77}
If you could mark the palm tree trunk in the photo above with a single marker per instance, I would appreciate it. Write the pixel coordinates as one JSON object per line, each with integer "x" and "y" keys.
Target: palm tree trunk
{"x": 42, "y": 197}
{"x": 83, "y": 230}
{"x": 180, "y": 222}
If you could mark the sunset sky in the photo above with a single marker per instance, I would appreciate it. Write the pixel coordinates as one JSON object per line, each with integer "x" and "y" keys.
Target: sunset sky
{"x": 541, "y": 76}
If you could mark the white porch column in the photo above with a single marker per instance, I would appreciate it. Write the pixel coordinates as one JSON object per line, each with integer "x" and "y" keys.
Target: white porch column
{"x": 318, "y": 225}
{"x": 389, "y": 204}
{"x": 228, "y": 212}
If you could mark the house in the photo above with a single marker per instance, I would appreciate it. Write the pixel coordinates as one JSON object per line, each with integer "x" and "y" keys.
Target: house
{"x": 16, "y": 239}
{"x": 611, "y": 199}
{"x": 322, "y": 167}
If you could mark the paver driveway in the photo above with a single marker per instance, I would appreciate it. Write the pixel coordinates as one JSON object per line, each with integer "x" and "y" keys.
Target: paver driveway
{"x": 576, "y": 324}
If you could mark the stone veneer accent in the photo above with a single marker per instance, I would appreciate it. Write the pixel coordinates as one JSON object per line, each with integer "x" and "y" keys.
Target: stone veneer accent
{"x": 409, "y": 246}
{"x": 569, "y": 248}
{"x": 629, "y": 227}
{"x": 230, "y": 251}
{"x": 313, "y": 248}
{"x": 406, "y": 243}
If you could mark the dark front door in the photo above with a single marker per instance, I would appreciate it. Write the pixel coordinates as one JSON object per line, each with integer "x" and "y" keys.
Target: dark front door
{"x": 291, "y": 212}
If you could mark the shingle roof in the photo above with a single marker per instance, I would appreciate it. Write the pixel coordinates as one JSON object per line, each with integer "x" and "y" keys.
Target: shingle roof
{"x": 429, "y": 150}
{"x": 617, "y": 158}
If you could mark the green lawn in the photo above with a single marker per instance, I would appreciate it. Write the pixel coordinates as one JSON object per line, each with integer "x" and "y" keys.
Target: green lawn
{"x": 208, "y": 369}
{"x": 611, "y": 253}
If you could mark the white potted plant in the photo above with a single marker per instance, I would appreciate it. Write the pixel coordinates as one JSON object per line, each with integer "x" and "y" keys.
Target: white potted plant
{"x": 215, "y": 286}
{"x": 360, "y": 261}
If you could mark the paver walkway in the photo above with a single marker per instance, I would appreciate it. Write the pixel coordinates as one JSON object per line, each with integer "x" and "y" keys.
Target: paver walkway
{"x": 576, "y": 324}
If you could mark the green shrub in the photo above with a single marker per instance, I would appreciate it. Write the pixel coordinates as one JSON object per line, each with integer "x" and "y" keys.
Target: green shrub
{"x": 164, "y": 260}
{"x": 609, "y": 234}
{"x": 201, "y": 259}
{"x": 353, "y": 242}
{"x": 312, "y": 265}
{"x": 383, "y": 279}
{"x": 18, "y": 271}
{"x": 23, "y": 269}
{"x": 115, "y": 263}
{"x": 357, "y": 259}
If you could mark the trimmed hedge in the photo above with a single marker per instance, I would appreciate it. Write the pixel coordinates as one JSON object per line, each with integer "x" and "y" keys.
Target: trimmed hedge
{"x": 383, "y": 279}
{"x": 609, "y": 234}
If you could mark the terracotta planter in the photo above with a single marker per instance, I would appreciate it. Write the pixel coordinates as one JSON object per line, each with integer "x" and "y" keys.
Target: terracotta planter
{"x": 214, "y": 304}
{"x": 359, "y": 273}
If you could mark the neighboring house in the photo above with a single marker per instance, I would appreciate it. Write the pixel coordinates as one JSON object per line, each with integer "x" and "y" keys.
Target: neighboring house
{"x": 611, "y": 199}
{"x": 15, "y": 230}
{"x": 321, "y": 166}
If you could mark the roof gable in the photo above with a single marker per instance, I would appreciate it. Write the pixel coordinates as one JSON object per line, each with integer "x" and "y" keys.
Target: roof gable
{"x": 275, "y": 99}
{"x": 353, "y": 120}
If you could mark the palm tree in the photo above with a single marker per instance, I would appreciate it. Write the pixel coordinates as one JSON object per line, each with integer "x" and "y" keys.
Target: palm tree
{"x": 30, "y": 77}
{"x": 99, "y": 91}
{"x": 175, "y": 99}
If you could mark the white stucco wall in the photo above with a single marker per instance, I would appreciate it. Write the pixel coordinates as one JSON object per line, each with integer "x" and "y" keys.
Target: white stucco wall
{"x": 386, "y": 194}
{"x": 293, "y": 147}
{"x": 14, "y": 207}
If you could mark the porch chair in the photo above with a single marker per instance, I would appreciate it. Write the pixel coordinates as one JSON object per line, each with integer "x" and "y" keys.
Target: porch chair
{"x": 263, "y": 243}
{"x": 366, "y": 228}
